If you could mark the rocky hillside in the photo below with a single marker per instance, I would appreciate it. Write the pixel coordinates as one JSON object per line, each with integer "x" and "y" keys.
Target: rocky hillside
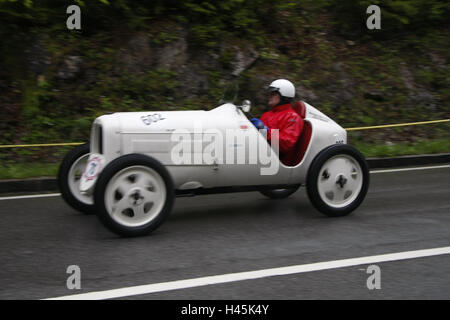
{"x": 159, "y": 55}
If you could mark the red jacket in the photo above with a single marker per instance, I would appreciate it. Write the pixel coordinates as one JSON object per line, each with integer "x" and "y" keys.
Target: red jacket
{"x": 289, "y": 124}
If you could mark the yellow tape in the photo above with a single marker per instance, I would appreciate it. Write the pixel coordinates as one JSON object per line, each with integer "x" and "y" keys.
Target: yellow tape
{"x": 397, "y": 125}
{"x": 348, "y": 129}
{"x": 41, "y": 145}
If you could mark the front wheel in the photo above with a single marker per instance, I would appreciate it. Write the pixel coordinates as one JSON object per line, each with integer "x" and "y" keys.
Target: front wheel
{"x": 134, "y": 195}
{"x": 69, "y": 177}
{"x": 338, "y": 180}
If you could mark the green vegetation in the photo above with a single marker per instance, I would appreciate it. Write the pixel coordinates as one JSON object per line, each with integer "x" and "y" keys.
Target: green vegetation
{"x": 401, "y": 149}
{"x": 174, "y": 55}
{"x": 25, "y": 170}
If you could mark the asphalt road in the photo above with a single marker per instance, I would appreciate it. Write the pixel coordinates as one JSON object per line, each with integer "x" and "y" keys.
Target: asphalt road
{"x": 229, "y": 233}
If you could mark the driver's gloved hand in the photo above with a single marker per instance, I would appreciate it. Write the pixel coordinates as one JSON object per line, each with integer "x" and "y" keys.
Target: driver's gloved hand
{"x": 258, "y": 123}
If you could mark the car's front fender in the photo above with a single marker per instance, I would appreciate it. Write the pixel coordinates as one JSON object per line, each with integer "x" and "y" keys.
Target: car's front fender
{"x": 96, "y": 163}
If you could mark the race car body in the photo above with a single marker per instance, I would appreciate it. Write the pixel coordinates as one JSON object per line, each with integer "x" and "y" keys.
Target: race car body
{"x": 137, "y": 162}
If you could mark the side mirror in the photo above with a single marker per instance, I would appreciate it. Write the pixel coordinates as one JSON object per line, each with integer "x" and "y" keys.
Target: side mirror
{"x": 246, "y": 105}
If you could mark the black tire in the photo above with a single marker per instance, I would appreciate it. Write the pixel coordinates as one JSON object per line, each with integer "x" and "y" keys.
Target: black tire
{"x": 280, "y": 193}
{"x": 63, "y": 179}
{"x": 121, "y": 163}
{"x": 313, "y": 176}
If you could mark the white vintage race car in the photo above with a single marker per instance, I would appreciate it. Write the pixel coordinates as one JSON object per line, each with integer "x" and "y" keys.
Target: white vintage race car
{"x": 138, "y": 162}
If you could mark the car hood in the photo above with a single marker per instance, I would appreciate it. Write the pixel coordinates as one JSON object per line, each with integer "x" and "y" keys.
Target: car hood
{"x": 224, "y": 116}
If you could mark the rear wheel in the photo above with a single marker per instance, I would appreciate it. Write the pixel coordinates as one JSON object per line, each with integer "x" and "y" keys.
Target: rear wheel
{"x": 280, "y": 193}
{"x": 338, "y": 180}
{"x": 69, "y": 178}
{"x": 134, "y": 195}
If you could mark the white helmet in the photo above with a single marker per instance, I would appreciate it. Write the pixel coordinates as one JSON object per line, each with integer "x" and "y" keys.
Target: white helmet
{"x": 284, "y": 87}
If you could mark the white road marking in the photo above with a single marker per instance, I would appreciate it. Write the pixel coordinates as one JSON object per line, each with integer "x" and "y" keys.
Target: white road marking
{"x": 410, "y": 169}
{"x": 373, "y": 171}
{"x": 45, "y": 195}
{"x": 249, "y": 275}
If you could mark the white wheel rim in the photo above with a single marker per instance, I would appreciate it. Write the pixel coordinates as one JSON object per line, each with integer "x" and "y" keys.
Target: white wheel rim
{"x": 135, "y": 196}
{"x": 340, "y": 181}
{"x": 74, "y": 178}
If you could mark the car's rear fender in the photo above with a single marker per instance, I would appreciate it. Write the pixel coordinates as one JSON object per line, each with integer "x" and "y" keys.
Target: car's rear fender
{"x": 324, "y": 132}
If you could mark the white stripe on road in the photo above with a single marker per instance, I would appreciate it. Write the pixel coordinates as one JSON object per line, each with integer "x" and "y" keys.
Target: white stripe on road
{"x": 410, "y": 169}
{"x": 32, "y": 196}
{"x": 249, "y": 275}
{"x": 373, "y": 171}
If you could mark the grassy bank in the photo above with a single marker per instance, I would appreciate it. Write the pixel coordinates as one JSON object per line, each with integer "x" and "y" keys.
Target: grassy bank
{"x": 28, "y": 170}
{"x": 403, "y": 149}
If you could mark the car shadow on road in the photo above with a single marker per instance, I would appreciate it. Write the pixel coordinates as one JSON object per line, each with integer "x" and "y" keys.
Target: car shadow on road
{"x": 244, "y": 205}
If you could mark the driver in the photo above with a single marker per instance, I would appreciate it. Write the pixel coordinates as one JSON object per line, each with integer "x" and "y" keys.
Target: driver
{"x": 281, "y": 116}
